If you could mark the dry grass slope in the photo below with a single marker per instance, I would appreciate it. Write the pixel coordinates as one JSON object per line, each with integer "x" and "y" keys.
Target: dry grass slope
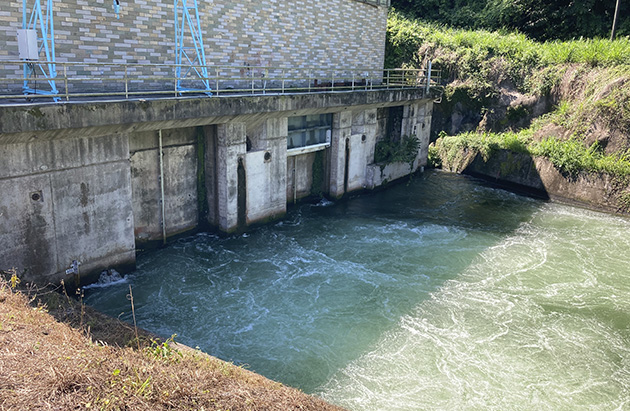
{"x": 49, "y": 365}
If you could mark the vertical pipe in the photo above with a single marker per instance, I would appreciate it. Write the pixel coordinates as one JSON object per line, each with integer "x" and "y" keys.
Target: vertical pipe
{"x": 65, "y": 79}
{"x": 52, "y": 68}
{"x": 294, "y": 180}
{"x": 614, "y": 27}
{"x": 25, "y": 26}
{"x": 161, "y": 154}
{"x": 429, "y": 77}
{"x": 216, "y": 74}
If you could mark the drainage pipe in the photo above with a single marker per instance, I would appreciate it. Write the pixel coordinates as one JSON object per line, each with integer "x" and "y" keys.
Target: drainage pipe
{"x": 294, "y": 180}
{"x": 162, "y": 188}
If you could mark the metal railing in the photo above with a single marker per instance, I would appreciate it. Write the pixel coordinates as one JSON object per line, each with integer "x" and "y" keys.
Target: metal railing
{"x": 84, "y": 81}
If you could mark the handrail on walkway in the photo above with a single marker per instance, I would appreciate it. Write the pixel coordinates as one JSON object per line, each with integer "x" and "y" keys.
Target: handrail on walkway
{"x": 86, "y": 81}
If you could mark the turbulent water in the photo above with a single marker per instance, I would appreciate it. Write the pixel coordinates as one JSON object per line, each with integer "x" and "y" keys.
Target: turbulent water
{"x": 443, "y": 293}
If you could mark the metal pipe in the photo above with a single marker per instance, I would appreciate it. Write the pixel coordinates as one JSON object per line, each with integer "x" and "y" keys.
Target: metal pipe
{"x": 162, "y": 187}
{"x": 294, "y": 180}
{"x": 613, "y": 32}
{"x": 65, "y": 78}
{"x": 429, "y": 77}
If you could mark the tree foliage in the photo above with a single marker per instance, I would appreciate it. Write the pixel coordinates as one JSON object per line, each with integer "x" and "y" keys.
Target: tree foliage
{"x": 538, "y": 19}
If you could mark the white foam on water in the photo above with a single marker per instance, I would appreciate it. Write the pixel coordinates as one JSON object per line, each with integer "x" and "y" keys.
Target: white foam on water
{"x": 108, "y": 278}
{"x": 527, "y": 326}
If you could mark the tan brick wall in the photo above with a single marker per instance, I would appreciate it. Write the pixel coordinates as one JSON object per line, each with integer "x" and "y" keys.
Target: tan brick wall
{"x": 287, "y": 33}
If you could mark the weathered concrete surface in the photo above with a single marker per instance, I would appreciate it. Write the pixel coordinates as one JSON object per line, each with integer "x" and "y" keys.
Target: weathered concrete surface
{"x": 23, "y": 124}
{"x": 82, "y": 181}
{"x": 179, "y": 157}
{"x": 65, "y": 201}
{"x": 300, "y": 176}
{"x": 231, "y": 145}
{"x": 361, "y": 145}
{"x": 342, "y": 129}
{"x": 594, "y": 190}
{"x": 378, "y": 175}
{"x": 420, "y": 125}
{"x": 266, "y": 172}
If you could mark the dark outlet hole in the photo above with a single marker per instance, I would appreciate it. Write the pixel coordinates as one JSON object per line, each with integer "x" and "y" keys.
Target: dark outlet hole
{"x": 363, "y": 137}
{"x": 36, "y": 196}
{"x": 267, "y": 156}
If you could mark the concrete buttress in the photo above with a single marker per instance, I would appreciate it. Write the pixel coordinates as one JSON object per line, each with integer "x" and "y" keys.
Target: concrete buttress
{"x": 231, "y": 145}
{"x": 266, "y": 172}
{"x": 342, "y": 127}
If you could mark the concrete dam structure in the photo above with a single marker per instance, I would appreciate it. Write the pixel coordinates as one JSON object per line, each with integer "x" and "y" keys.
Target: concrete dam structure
{"x": 93, "y": 178}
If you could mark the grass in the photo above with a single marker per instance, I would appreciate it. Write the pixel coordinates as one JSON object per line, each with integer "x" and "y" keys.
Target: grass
{"x": 477, "y": 55}
{"x": 572, "y": 157}
{"x": 409, "y": 35}
{"x": 594, "y": 97}
{"x": 47, "y": 364}
{"x": 569, "y": 156}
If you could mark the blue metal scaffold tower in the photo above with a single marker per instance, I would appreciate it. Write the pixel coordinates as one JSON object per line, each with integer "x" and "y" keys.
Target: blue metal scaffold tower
{"x": 187, "y": 25}
{"x": 38, "y": 33}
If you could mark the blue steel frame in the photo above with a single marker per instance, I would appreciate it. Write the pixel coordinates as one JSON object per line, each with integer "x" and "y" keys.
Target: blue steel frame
{"x": 46, "y": 42}
{"x": 193, "y": 55}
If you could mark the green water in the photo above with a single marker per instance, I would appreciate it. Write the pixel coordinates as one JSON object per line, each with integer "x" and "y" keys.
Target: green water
{"x": 439, "y": 294}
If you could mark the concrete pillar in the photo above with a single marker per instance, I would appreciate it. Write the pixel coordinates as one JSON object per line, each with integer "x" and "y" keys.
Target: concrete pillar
{"x": 231, "y": 144}
{"x": 417, "y": 122}
{"x": 266, "y": 170}
{"x": 342, "y": 128}
{"x": 408, "y": 120}
{"x": 423, "y": 131}
{"x": 362, "y": 141}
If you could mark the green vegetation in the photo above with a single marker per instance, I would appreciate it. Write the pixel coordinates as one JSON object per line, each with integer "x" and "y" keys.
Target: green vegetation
{"x": 589, "y": 78}
{"x": 569, "y": 156}
{"x": 403, "y": 151}
{"x": 538, "y": 19}
{"x": 164, "y": 350}
{"x": 476, "y": 54}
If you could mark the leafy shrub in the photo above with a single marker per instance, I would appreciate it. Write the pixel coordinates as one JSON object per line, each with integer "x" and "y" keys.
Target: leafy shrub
{"x": 405, "y": 151}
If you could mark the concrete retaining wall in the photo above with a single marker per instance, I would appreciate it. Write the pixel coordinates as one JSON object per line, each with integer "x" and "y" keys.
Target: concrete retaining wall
{"x": 83, "y": 181}
{"x": 594, "y": 190}
{"x": 66, "y": 200}
{"x": 180, "y": 182}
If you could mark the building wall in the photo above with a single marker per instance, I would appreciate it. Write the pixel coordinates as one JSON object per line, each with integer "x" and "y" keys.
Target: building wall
{"x": 291, "y": 33}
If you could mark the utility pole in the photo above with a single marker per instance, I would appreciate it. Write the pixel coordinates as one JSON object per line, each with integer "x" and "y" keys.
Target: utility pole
{"x": 614, "y": 27}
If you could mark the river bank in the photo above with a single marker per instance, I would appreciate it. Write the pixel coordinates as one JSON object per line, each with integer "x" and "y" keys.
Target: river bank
{"x": 56, "y": 353}
{"x": 553, "y": 116}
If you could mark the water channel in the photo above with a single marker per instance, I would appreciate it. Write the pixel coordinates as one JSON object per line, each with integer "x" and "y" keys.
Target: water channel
{"x": 440, "y": 293}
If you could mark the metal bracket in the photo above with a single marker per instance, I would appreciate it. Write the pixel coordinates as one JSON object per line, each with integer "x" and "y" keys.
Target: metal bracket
{"x": 74, "y": 268}
{"x": 45, "y": 43}
{"x": 186, "y": 54}
{"x": 117, "y": 8}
